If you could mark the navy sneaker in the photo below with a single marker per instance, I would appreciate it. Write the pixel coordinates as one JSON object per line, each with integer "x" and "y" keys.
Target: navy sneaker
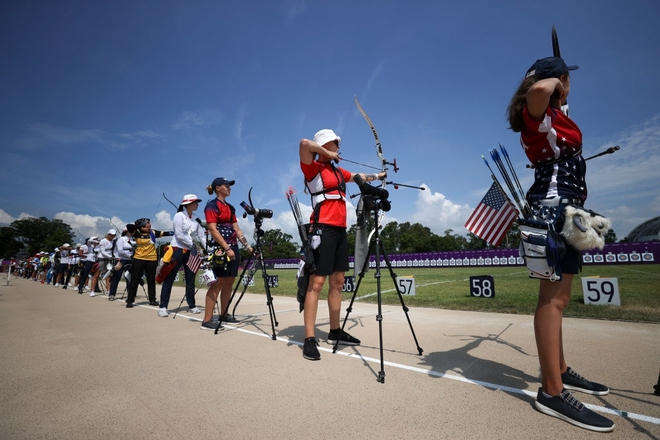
{"x": 229, "y": 319}
{"x": 575, "y": 382}
{"x": 343, "y": 338}
{"x": 309, "y": 349}
{"x": 569, "y": 409}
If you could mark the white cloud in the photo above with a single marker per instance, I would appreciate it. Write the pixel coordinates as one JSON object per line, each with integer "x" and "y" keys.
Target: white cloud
{"x": 438, "y": 213}
{"x": 5, "y": 218}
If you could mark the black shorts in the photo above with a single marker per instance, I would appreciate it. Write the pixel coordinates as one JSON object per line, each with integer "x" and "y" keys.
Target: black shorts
{"x": 231, "y": 269}
{"x": 332, "y": 254}
{"x": 571, "y": 262}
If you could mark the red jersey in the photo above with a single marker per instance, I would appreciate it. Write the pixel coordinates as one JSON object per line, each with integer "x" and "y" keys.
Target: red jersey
{"x": 323, "y": 176}
{"x": 224, "y": 215}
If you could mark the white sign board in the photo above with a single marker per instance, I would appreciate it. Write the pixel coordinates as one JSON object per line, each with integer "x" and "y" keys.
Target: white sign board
{"x": 601, "y": 291}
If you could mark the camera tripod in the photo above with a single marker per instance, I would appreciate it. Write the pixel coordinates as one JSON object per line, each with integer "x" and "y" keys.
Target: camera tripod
{"x": 251, "y": 267}
{"x": 376, "y": 244}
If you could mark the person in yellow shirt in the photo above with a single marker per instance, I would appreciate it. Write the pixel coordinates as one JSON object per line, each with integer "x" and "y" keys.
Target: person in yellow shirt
{"x": 145, "y": 260}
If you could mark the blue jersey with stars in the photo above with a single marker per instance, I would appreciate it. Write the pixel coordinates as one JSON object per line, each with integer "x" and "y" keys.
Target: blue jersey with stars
{"x": 556, "y": 139}
{"x": 224, "y": 216}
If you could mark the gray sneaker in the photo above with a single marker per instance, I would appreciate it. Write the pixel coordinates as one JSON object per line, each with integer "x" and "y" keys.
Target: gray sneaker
{"x": 569, "y": 409}
{"x": 211, "y": 325}
{"x": 575, "y": 382}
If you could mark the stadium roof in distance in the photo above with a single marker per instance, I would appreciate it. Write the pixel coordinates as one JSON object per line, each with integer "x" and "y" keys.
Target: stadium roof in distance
{"x": 647, "y": 231}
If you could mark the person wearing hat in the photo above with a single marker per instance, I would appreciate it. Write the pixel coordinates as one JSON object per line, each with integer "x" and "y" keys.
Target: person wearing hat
{"x": 106, "y": 246}
{"x": 64, "y": 266}
{"x": 121, "y": 254}
{"x": 88, "y": 253}
{"x": 223, "y": 226}
{"x": 553, "y": 144}
{"x": 145, "y": 260}
{"x": 188, "y": 236}
{"x": 326, "y": 184}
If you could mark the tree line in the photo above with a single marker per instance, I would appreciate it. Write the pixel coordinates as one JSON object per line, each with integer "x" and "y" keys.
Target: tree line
{"x": 32, "y": 235}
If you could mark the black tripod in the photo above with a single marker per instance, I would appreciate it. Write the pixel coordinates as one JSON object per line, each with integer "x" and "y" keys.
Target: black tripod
{"x": 377, "y": 244}
{"x": 252, "y": 268}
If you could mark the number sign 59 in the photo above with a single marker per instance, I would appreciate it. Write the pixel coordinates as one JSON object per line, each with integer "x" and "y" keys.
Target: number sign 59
{"x": 601, "y": 291}
{"x": 482, "y": 286}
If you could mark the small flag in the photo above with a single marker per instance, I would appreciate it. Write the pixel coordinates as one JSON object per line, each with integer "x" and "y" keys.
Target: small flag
{"x": 194, "y": 261}
{"x": 493, "y": 216}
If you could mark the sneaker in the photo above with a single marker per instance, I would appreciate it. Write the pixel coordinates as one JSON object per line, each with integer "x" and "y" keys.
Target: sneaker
{"x": 86, "y": 288}
{"x": 64, "y": 287}
{"x": 575, "y": 382}
{"x": 310, "y": 351}
{"x": 80, "y": 292}
{"x": 230, "y": 319}
{"x": 162, "y": 312}
{"x": 111, "y": 298}
{"x": 211, "y": 325}
{"x": 92, "y": 294}
{"x": 57, "y": 285}
{"x": 343, "y": 338}
{"x": 129, "y": 305}
{"x": 195, "y": 311}
{"x": 153, "y": 303}
{"x": 569, "y": 409}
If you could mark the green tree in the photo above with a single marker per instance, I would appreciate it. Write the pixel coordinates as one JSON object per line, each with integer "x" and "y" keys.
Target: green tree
{"x": 610, "y": 237}
{"x": 277, "y": 244}
{"x": 9, "y": 245}
{"x": 40, "y": 234}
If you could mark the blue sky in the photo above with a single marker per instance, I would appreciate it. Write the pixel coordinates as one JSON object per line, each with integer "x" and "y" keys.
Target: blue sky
{"x": 108, "y": 105}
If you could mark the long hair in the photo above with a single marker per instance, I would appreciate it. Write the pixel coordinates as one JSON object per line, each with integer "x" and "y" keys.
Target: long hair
{"x": 210, "y": 189}
{"x": 518, "y": 103}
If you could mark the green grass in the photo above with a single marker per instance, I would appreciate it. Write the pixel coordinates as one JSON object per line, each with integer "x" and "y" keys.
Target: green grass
{"x": 515, "y": 292}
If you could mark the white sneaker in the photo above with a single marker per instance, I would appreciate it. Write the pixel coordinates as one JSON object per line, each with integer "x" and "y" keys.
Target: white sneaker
{"x": 92, "y": 294}
{"x": 195, "y": 310}
{"x": 162, "y": 312}
{"x": 58, "y": 285}
{"x": 86, "y": 288}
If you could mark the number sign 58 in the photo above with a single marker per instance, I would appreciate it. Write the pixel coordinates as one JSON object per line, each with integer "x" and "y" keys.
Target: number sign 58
{"x": 482, "y": 286}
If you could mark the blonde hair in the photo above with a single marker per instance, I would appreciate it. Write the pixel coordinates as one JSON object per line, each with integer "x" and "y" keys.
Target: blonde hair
{"x": 209, "y": 189}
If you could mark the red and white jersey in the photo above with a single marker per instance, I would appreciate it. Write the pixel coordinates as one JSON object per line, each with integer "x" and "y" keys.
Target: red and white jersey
{"x": 320, "y": 176}
{"x": 554, "y": 146}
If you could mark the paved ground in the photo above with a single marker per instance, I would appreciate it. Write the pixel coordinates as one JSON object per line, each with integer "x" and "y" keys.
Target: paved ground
{"x": 75, "y": 367}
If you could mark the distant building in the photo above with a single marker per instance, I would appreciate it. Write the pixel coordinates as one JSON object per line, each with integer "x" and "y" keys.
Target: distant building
{"x": 647, "y": 231}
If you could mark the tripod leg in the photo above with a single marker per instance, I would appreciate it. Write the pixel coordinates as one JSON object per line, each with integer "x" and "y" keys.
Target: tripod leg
{"x": 269, "y": 298}
{"x": 221, "y": 313}
{"x": 349, "y": 309}
{"x": 403, "y": 305}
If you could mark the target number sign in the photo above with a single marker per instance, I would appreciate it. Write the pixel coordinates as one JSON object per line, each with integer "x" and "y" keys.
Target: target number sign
{"x": 406, "y": 285}
{"x": 349, "y": 284}
{"x": 482, "y": 286}
{"x": 601, "y": 291}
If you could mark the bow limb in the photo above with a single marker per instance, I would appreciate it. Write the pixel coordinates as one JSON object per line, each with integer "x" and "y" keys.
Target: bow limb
{"x": 171, "y": 202}
{"x": 379, "y": 148}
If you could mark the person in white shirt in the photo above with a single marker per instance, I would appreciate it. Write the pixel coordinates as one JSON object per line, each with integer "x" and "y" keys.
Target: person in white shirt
{"x": 122, "y": 254}
{"x": 105, "y": 254}
{"x": 91, "y": 250}
{"x": 188, "y": 238}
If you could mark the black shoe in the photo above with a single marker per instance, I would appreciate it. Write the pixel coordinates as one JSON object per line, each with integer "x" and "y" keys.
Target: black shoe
{"x": 80, "y": 292}
{"x": 569, "y": 409}
{"x": 129, "y": 305}
{"x": 575, "y": 382}
{"x": 230, "y": 319}
{"x": 211, "y": 325}
{"x": 310, "y": 351}
{"x": 343, "y": 338}
{"x": 153, "y": 303}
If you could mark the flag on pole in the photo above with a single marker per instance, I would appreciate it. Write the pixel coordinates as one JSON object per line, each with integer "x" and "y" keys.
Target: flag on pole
{"x": 493, "y": 216}
{"x": 194, "y": 261}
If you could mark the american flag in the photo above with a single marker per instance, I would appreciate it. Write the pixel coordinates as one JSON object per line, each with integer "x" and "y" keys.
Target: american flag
{"x": 194, "y": 261}
{"x": 493, "y": 217}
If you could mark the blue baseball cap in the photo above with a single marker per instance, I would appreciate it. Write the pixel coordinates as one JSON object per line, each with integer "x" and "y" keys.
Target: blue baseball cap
{"x": 550, "y": 67}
